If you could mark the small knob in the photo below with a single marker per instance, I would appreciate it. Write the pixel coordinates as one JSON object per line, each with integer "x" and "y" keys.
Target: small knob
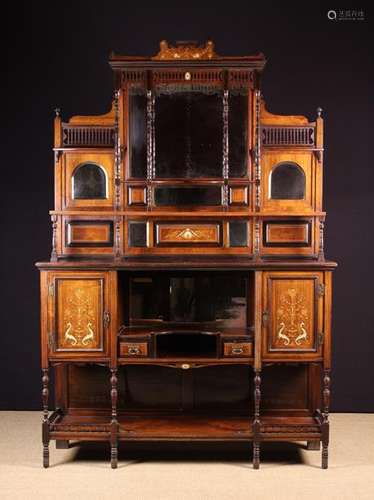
{"x": 319, "y": 112}
{"x": 185, "y": 366}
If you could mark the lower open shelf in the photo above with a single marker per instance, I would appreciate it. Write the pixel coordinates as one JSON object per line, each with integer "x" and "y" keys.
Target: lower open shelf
{"x": 185, "y": 428}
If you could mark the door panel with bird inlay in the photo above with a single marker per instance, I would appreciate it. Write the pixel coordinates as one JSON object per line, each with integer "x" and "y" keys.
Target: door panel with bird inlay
{"x": 294, "y": 310}
{"x": 78, "y": 317}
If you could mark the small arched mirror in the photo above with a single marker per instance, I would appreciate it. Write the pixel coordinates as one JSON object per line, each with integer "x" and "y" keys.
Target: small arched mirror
{"x": 287, "y": 182}
{"x": 89, "y": 182}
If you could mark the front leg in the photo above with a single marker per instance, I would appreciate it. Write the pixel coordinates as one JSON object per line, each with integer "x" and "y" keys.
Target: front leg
{"x": 114, "y": 421}
{"x": 325, "y": 422}
{"x": 45, "y": 424}
{"x": 256, "y": 421}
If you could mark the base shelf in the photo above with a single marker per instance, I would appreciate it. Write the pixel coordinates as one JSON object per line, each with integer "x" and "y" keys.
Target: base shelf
{"x": 185, "y": 428}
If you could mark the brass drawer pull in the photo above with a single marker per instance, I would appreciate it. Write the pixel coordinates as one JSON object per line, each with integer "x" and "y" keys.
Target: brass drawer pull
{"x": 237, "y": 350}
{"x": 134, "y": 350}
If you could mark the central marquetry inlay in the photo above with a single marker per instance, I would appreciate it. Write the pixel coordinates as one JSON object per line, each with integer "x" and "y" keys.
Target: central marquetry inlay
{"x": 79, "y": 303}
{"x": 292, "y": 317}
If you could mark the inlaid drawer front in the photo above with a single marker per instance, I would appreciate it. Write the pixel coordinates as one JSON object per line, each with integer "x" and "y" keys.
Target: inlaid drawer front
{"x": 95, "y": 233}
{"x": 238, "y": 349}
{"x": 134, "y": 349}
{"x": 188, "y": 234}
{"x": 287, "y": 233}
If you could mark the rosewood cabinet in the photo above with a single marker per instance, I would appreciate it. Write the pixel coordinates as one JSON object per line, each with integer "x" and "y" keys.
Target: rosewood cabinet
{"x": 187, "y": 297}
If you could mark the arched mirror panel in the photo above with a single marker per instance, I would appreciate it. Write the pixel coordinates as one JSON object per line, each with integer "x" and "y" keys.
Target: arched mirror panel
{"x": 89, "y": 182}
{"x": 287, "y": 182}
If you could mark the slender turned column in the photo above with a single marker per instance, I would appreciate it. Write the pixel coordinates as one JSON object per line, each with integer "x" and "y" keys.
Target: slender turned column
{"x": 256, "y": 421}
{"x": 325, "y": 422}
{"x": 45, "y": 425}
{"x": 114, "y": 421}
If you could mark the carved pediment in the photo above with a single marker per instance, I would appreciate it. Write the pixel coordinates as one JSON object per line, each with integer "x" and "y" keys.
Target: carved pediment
{"x": 186, "y": 50}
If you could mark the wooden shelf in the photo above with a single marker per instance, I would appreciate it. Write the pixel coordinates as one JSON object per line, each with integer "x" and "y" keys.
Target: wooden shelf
{"x": 186, "y": 428}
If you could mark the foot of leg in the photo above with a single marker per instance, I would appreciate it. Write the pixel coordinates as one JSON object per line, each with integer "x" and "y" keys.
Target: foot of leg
{"x": 256, "y": 455}
{"x": 113, "y": 456}
{"x": 325, "y": 456}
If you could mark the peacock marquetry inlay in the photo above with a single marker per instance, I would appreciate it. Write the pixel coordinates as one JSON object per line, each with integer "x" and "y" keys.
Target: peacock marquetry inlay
{"x": 79, "y": 314}
{"x": 293, "y": 315}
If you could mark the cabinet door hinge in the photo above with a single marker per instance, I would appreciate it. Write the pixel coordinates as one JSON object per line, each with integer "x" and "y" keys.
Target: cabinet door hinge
{"x": 321, "y": 289}
{"x": 321, "y": 338}
{"x": 265, "y": 318}
{"x": 106, "y": 319}
{"x": 51, "y": 289}
{"x": 51, "y": 341}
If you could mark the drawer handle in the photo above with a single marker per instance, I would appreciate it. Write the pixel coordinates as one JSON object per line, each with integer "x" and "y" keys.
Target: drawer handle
{"x": 237, "y": 350}
{"x": 133, "y": 350}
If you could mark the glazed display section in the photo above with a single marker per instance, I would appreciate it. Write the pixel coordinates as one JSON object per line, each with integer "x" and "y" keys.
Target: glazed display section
{"x": 187, "y": 297}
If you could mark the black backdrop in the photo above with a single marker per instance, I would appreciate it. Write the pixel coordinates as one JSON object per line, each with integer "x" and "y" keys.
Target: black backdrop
{"x": 56, "y": 55}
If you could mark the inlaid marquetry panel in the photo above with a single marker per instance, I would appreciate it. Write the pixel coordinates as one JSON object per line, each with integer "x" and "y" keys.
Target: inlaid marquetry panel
{"x": 79, "y": 314}
{"x": 190, "y": 234}
{"x": 292, "y": 312}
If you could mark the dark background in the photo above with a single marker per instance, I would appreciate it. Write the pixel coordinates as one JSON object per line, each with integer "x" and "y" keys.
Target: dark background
{"x": 56, "y": 55}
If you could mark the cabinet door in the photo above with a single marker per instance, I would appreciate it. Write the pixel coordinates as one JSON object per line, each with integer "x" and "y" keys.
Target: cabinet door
{"x": 79, "y": 315}
{"x": 293, "y": 314}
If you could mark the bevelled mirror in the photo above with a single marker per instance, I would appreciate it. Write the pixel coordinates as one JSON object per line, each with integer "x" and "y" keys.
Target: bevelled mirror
{"x": 238, "y": 134}
{"x": 89, "y": 182}
{"x": 138, "y": 133}
{"x": 287, "y": 182}
{"x": 188, "y": 135}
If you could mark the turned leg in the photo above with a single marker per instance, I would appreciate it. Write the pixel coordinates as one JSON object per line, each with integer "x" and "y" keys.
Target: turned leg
{"x": 313, "y": 445}
{"x": 114, "y": 421}
{"x": 256, "y": 421}
{"x": 45, "y": 424}
{"x": 325, "y": 421}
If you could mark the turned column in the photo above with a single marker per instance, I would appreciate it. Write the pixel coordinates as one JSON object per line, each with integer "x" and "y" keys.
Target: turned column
{"x": 256, "y": 421}
{"x": 325, "y": 418}
{"x": 114, "y": 421}
{"x": 45, "y": 424}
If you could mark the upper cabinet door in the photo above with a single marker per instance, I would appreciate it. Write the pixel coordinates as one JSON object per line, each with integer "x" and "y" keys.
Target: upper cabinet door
{"x": 288, "y": 182}
{"x": 88, "y": 180}
{"x": 293, "y": 314}
{"x": 78, "y": 314}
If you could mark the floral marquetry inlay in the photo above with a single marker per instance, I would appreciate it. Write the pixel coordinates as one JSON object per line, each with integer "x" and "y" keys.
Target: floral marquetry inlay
{"x": 293, "y": 321}
{"x": 79, "y": 314}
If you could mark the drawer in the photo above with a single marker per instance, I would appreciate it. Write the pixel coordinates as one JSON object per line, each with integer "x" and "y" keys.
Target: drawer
{"x": 133, "y": 349}
{"x": 186, "y": 234}
{"x": 237, "y": 349}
